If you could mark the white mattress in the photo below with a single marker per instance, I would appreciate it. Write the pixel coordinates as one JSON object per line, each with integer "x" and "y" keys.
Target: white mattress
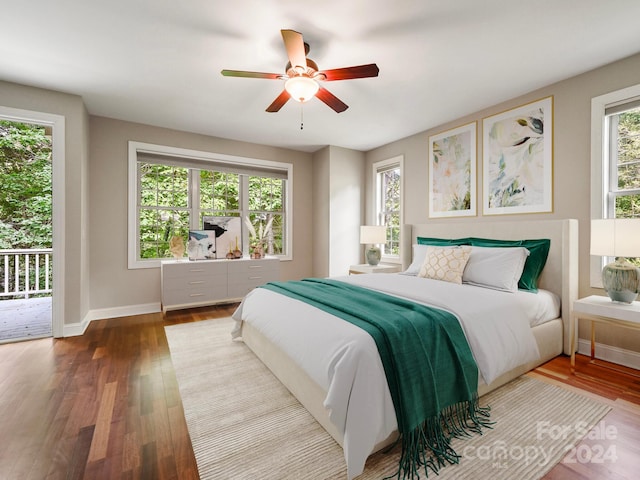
{"x": 539, "y": 307}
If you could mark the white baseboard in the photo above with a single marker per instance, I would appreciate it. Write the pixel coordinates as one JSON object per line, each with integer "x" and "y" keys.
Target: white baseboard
{"x": 76, "y": 329}
{"x": 124, "y": 311}
{"x": 628, "y": 358}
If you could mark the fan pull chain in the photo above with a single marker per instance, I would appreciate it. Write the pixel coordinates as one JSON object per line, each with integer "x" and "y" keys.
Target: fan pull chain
{"x": 301, "y": 117}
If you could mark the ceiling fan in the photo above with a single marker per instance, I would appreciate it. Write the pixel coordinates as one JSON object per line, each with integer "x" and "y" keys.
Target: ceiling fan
{"x": 302, "y": 75}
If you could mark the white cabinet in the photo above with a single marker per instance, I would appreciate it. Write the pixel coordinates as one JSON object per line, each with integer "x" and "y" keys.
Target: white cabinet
{"x": 188, "y": 284}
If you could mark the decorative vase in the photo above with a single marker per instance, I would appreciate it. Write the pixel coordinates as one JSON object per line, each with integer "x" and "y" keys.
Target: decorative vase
{"x": 373, "y": 256}
{"x": 176, "y": 246}
{"x": 621, "y": 280}
{"x": 237, "y": 253}
{"x": 257, "y": 253}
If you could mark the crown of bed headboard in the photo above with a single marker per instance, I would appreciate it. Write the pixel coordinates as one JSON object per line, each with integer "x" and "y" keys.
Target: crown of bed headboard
{"x": 560, "y": 274}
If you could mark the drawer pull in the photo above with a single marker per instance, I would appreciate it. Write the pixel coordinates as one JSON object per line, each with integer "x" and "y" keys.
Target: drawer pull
{"x": 255, "y": 266}
{"x": 196, "y": 294}
{"x": 196, "y": 282}
{"x": 197, "y": 270}
{"x": 255, "y": 278}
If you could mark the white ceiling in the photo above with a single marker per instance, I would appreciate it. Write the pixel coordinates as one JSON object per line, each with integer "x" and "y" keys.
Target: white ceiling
{"x": 158, "y": 62}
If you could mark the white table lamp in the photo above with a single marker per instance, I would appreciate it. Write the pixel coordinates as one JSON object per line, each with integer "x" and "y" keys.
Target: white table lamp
{"x": 620, "y": 238}
{"x": 373, "y": 235}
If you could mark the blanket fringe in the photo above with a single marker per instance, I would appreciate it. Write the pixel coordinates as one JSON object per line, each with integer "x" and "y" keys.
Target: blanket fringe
{"x": 428, "y": 447}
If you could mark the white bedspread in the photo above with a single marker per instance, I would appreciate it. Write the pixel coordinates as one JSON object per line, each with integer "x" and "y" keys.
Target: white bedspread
{"x": 343, "y": 359}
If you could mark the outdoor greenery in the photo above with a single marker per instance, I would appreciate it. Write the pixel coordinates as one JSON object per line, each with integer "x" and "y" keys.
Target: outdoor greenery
{"x": 628, "y": 206}
{"x": 166, "y": 211}
{"x": 25, "y": 205}
{"x": 628, "y": 132}
{"x": 26, "y": 193}
{"x": 390, "y": 211}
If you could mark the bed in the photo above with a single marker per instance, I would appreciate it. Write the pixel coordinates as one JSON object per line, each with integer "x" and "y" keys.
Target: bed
{"x": 304, "y": 371}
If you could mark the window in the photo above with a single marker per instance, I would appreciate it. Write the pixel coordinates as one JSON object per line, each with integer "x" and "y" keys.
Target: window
{"x": 615, "y": 161}
{"x": 171, "y": 190}
{"x": 163, "y": 208}
{"x": 623, "y": 193}
{"x": 388, "y": 201}
{"x": 266, "y": 210}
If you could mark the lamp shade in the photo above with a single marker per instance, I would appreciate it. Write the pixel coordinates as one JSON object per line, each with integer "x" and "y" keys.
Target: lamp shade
{"x": 301, "y": 88}
{"x": 619, "y": 237}
{"x": 373, "y": 234}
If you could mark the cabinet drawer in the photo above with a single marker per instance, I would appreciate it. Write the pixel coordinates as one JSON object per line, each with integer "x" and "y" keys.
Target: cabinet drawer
{"x": 242, "y": 283}
{"x": 254, "y": 277}
{"x": 193, "y": 296}
{"x": 254, "y": 266}
{"x": 187, "y": 269}
{"x": 239, "y": 290}
{"x": 195, "y": 281}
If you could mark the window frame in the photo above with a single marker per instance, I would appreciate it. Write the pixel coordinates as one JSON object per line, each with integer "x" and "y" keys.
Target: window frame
{"x": 613, "y": 192}
{"x": 377, "y": 168}
{"x": 600, "y": 165}
{"x": 186, "y": 155}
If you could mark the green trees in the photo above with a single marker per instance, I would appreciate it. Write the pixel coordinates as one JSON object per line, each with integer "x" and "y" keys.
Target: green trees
{"x": 390, "y": 208}
{"x": 26, "y": 190}
{"x": 628, "y": 206}
{"x": 266, "y": 207}
{"x": 169, "y": 193}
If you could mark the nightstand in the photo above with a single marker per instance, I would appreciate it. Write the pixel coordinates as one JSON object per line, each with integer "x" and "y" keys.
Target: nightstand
{"x": 601, "y": 309}
{"x": 366, "y": 268}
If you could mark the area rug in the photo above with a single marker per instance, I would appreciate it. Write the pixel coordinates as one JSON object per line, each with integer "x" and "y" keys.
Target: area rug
{"x": 244, "y": 424}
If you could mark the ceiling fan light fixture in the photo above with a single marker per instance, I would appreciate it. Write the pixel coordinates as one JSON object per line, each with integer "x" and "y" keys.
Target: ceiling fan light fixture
{"x": 301, "y": 88}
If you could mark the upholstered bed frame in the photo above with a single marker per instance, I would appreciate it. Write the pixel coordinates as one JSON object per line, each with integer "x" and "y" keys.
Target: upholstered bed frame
{"x": 560, "y": 276}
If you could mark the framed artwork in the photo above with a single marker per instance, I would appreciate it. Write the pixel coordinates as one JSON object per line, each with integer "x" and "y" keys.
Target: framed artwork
{"x": 452, "y": 172}
{"x": 201, "y": 245}
{"x": 518, "y": 160}
{"x": 228, "y": 233}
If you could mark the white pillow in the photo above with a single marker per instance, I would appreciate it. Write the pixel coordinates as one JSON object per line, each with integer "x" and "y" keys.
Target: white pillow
{"x": 499, "y": 268}
{"x": 419, "y": 254}
{"x": 445, "y": 263}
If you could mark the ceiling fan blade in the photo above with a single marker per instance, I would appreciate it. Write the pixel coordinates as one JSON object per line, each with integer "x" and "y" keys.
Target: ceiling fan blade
{"x": 330, "y": 99}
{"x": 347, "y": 73}
{"x": 294, "y": 44}
{"x": 279, "y": 102}
{"x": 242, "y": 73}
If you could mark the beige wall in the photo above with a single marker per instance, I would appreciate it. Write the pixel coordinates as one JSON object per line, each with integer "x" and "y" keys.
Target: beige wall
{"x": 71, "y": 107}
{"x": 347, "y": 213}
{"x": 338, "y": 199}
{"x": 572, "y": 157}
{"x": 321, "y": 212}
{"x": 112, "y": 284}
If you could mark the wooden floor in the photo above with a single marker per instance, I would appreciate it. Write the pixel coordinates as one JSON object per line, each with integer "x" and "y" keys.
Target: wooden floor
{"x": 106, "y": 405}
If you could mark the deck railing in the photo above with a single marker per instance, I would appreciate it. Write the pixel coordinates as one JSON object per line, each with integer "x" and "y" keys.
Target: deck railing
{"x": 25, "y": 272}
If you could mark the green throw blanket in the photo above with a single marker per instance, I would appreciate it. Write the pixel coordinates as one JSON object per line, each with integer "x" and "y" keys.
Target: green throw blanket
{"x": 432, "y": 376}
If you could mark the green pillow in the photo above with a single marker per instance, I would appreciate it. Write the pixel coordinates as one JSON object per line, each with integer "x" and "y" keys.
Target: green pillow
{"x": 443, "y": 242}
{"x": 538, "y": 252}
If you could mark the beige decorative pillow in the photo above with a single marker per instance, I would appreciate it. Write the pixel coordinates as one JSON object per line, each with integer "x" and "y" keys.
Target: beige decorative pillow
{"x": 445, "y": 263}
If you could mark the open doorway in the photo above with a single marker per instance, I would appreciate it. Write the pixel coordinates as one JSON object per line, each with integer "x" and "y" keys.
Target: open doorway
{"x": 29, "y": 224}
